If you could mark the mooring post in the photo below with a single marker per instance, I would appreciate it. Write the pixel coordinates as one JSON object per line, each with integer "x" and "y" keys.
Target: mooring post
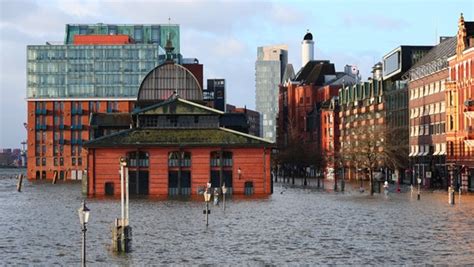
{"x": 20, "y": 182}
{"x": 55, "y": 177}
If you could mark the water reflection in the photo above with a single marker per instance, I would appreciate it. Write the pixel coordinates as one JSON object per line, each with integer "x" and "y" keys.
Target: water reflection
{"x": 40, "y": 226}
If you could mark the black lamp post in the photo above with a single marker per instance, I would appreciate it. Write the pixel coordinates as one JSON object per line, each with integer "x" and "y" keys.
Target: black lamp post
{"x": 84, "y": 219}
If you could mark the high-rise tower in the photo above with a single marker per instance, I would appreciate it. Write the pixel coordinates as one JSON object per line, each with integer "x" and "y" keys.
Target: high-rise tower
{"x": 269, "y": 71}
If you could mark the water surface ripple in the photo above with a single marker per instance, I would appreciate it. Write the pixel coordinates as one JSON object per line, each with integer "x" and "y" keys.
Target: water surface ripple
{"x": 40, "y": 226}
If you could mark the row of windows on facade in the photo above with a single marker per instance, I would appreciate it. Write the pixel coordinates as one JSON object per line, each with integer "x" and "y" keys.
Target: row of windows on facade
{"x": 428, "y": 89}
{"x": 397, "y": 100}
{"x": 454, "y": 149}
{"x": 59, "y": 161}
{"x": 428, "y": 129}
{"x": 83, "y": 91}
{"x": 462, "y": 70}
{"x": 362, "y": 117}
{"x": 179, "y": 121}
{"x": 180, "y": 159}
{"x": 58, "y": 150}
{"x": 96, "y": 67}
{"x": 361, "y": 103}
{"x": 76, "y": 108}
{"x": 87, "y": 79}
{"x": 112, "y": 52}
{"x": 430, "y": 109}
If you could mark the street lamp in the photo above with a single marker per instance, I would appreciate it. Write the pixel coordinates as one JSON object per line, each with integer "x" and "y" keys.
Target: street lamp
{"x": 207, "y": 198}
{"x": 224, "y": 191}
{"x": 239, "y": 172}
{"x": 84, "y": 219}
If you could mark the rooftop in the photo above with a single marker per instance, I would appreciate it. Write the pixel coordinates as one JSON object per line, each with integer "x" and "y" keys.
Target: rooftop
{"x": 178, "y": 137}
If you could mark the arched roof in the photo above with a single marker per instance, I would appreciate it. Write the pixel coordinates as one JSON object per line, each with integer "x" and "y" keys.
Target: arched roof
{"x": 161, "y": 82}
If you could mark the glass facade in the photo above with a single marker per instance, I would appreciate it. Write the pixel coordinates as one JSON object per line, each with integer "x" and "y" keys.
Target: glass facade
{"x": 71, "y": 71}
{"x": 269, "y": 69}
{"x": 141, "y": 34}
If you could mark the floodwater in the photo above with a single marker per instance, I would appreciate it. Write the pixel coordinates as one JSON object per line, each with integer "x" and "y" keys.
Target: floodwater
{"x": 40, "y": 226}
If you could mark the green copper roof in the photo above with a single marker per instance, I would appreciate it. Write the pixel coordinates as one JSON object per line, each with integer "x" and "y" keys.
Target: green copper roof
{"x": 177, "y": 137}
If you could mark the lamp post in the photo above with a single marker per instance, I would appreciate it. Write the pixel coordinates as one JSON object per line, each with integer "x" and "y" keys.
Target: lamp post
{"x": 83, "y": 218}
{"x": 224, "y": 191}
{"x": 207, "y": 198}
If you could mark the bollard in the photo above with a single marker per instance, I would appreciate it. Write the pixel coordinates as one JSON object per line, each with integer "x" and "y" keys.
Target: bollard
{"x": 451, "y": 195}
{"x": 20, "y": 182}
{"x": 459, "y": 195}
{"x": 55, "y": 177}
{"x": 121, "y": 236}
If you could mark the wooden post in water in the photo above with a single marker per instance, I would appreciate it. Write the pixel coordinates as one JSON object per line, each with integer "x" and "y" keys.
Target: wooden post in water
{"x": 55, "y": 177}
{"x": 20, "y": 182}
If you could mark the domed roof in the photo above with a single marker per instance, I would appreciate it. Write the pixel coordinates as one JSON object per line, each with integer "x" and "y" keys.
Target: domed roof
{"x": 308, "y": 36}
{"x": 168, "y": 79}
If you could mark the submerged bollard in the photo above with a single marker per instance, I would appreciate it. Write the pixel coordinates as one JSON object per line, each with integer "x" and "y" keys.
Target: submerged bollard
{"x": 55, "y": 177}
{"x": 451, "y": 195}
{"x": 20, "y": 182}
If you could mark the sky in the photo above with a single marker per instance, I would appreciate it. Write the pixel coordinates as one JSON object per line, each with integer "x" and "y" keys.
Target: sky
{"x": 224, "y": 36}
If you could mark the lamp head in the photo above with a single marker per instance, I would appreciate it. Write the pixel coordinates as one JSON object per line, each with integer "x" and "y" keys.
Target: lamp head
{"x": 83, "y": 212}
{"x": 123, "y": 161}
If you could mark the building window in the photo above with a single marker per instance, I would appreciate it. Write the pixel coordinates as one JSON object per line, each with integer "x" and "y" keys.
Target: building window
{"x": 143, "y": 159}
{"x": 73, "y": 161}
{"x": 55, "y": 161}
{"x": 38, "y": 162}
{"x": 43, "y": 161}
{"x": 61, "y": 161}
{"x": 79, "y": 161}
{"x": 175, "y": 156}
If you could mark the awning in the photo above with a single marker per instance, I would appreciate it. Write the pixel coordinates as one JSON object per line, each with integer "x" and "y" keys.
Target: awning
{"x": 443, "y": 150}
{"x": 437, "y": 150}
{"x": 425, "y": 153}
{"x": 411, "y": 154}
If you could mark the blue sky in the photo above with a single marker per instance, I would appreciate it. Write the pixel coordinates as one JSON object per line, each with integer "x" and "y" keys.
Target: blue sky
{"x": 224, "y": 36}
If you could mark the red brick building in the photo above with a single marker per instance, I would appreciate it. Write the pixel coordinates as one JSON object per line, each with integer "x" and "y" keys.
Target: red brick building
{"x": 308, "y": 110}
{"x": 426, "y": 90}
{"x": 176, "y": 146}
{"x": 460, "y": 109}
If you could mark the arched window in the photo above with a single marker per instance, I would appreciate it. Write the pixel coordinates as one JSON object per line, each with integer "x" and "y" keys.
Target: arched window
{"x": 226, "y": 158}
{"x": 174, "y": 158}
{"x": 142, "y": 158}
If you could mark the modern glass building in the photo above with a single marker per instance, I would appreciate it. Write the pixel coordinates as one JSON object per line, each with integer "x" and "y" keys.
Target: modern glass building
{"x": 98, "y": 69}
{"x": 65, "y": 71}
{"x": 269, "y": 71}
{"x": 72, "y": 70}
